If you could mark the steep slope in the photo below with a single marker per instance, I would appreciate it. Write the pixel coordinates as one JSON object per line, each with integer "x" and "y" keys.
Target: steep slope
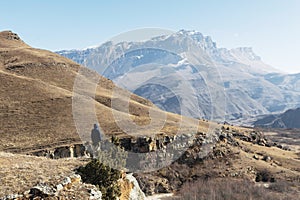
{"x": 188, "y": 61}
{"x": 290, "y": 82}
{"x": 288, "y": 119}
{"x": 19, "y": 173}
{"x": 37, "y": 89}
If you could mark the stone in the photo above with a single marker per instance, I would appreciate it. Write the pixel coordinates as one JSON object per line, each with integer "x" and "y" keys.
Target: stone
{"x": 256, "y": 157}
{"x": 95, "y": 194}
{"x": 62, "y": 152}
{"x": 267, "y": 158}
{"x": 286, "y": 148}
{"x": 76, "y": 178}
{"x": 42, "y": 190}
{"x": 59, "y": 187}
{"x": 67, "y": 183}
{"x": 136, "y": 192}
{"x": 80, "y": 150}
{"x": 12, "y": 197}
{"x": 12, "y": 36}
{"x": 277, "y": 163}
{"x": 27, "y": 194}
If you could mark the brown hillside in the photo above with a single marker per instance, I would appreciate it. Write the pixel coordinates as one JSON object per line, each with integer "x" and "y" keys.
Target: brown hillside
{"x": 36, "y": 99}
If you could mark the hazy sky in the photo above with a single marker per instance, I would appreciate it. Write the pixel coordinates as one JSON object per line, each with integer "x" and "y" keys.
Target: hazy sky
{"x": 271, "y": 27}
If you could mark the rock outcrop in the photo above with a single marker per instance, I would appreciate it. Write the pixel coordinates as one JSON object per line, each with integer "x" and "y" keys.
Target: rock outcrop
{"x": 200, "y": 160}
{"x": 130, "y": 189}
{"x": 69, "y": 187}
{"x": 66, "y": 151}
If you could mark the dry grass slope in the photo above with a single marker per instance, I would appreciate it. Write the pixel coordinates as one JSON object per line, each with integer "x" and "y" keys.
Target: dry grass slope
{"x": 20, "y": 172}
{"x": 36, "y": 100}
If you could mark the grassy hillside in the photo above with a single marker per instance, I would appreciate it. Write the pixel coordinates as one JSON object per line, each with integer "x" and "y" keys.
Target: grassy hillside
{"x": 36, "y": 100}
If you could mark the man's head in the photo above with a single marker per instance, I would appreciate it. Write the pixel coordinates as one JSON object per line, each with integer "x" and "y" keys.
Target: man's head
{"x": 95, "y": 126}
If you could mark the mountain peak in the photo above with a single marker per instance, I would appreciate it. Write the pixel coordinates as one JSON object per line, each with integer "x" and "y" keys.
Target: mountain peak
{"x": 205, "y": 41}
{"x": 9, "y": 35}
{"x": 194, "y": 34}
{"x": 10, "y": 39}
{"x": 246, "y": 52}
{"x": 189, "y": 32}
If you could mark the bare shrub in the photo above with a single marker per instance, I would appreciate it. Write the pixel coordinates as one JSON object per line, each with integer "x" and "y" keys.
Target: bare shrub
{"x": 281, "y": 186}
{"x": 264, "y": 176}
{"x": 224, "y": 189}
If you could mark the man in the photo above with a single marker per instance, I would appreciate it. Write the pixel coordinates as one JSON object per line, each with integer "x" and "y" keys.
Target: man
{"x": 96, "y": 136}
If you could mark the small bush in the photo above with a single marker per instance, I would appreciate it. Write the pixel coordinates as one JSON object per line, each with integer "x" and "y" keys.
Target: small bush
{"x": 102, "y": 176}
{"x": 264, "y": 176}
{"x": 112, "y": 154}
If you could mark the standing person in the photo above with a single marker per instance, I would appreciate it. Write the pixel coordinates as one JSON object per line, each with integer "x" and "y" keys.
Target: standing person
{"x": 95, "y": 135}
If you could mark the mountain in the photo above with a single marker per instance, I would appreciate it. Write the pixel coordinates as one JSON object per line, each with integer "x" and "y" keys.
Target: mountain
{"x": 186, "y": 73}
{"x": 289, "y": 82}
{"x": 288, "y": 119}
{"x": 49, "y": 104}
{"x": 46, "y": 99}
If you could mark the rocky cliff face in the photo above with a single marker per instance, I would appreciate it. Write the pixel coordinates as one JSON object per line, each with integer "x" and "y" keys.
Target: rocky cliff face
{"x": 66, "y": 151}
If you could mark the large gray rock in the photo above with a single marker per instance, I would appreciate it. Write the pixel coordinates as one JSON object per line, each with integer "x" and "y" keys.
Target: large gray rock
{"x": 42, "y": 190}
{"x": 11, "y": 197}
{"x": 95, "y": 194}
{"x": 136, "y": 192}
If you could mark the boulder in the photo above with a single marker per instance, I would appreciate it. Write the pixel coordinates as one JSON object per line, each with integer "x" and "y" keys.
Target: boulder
{"x": 12, "y": 197}
{"x": 95, "y": 194}
{"x": 136, "y": 192}
{"x": 42, "y": 190}
{"x": 267, "y": 158}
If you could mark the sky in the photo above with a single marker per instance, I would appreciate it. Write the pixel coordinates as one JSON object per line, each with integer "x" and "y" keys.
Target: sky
{"x": 271, "y": 27}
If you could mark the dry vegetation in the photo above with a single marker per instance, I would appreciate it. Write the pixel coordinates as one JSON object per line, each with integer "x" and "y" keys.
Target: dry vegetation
{"x": 234, "y": 189}
{"x": 20, "y": 172}
{"x": 36, "y": 100}
{"x": 288, "y": 138}
{"x": 244, "y": 164}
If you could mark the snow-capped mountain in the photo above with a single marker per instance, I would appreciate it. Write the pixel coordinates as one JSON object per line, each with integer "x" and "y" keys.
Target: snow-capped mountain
{"x": 187, "y": 73}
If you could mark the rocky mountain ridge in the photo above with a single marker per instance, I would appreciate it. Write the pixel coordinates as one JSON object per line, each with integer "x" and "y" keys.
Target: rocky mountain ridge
{"x": 188, "y": 61}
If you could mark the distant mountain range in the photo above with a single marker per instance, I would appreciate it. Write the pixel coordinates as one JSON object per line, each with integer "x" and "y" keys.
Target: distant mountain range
{"x": 288, "y": 119}
{"x": 186, "y": 73}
